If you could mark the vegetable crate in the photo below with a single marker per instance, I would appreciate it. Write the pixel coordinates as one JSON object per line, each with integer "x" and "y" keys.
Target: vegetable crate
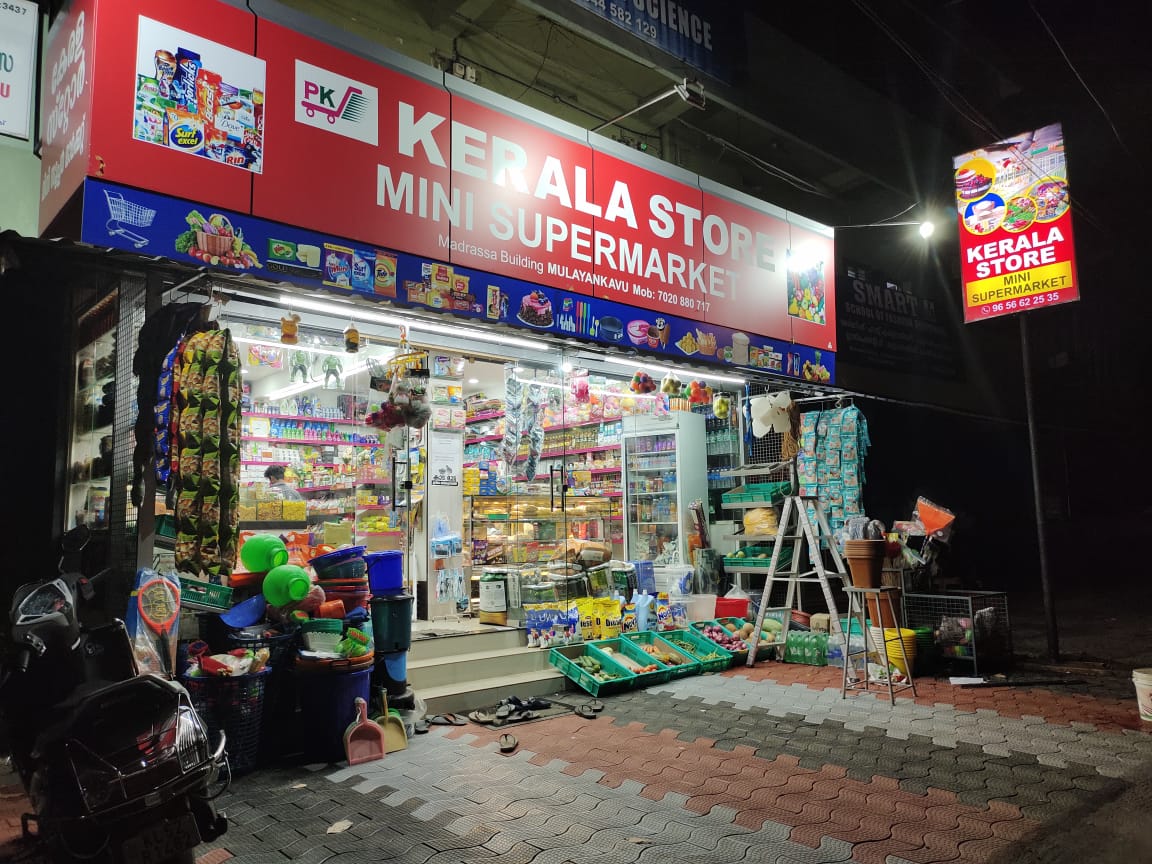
{"x": 626, "y": 650}
{"x": 204, "y": 595}
{"x": 737, "y": 656}
{"x": 564, "y": 659}
{"x": 712, "y": 657}
{"x": 767, "y": 647}
{"x": 690, "y": 666}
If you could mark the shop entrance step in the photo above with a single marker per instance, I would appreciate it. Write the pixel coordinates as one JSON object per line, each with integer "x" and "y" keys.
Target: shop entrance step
{"x": 459, "y": 642}
{"x": 461, "y": 698}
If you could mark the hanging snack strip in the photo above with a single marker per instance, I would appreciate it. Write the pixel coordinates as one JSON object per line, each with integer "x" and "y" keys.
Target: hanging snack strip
{"x": 207, "y": 391}
{"x": 513, "y": 417}
{"x": 534, "y": 428}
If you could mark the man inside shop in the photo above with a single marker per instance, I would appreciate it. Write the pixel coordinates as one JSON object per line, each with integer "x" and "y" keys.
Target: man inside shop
{"x": 278, "y": 486}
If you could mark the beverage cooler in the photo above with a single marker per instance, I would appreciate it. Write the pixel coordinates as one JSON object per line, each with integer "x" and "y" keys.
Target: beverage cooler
{"x": 665, "y": 470}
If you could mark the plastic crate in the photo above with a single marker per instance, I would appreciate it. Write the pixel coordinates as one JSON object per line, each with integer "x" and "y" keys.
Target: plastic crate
{"x": 691, "y": 666}
{"x": 563, "y": 656}
{"x": 737, "y": 656}
{"x": 781, "y": 614}
{"x": 194, "y": 592}
{"x": 661, "y": 675}
{"x": 691, "y": 642}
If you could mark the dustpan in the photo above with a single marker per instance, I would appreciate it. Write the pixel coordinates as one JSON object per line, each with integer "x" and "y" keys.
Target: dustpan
{"x": 364, "y": 741}
{"x": 395, "y": 738}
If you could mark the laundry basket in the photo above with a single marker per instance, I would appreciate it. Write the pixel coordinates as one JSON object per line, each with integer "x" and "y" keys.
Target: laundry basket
{"x": 234, "y": 706}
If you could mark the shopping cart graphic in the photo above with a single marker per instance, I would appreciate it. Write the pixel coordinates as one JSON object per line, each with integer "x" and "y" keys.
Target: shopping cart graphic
{"x": 124, "y": 212}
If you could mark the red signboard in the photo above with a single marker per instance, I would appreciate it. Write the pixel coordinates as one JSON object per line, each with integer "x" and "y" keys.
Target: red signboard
{"x": 65, "y": 107}
{"x": 209, "y": 103}
{"x": 1015, "y": 219}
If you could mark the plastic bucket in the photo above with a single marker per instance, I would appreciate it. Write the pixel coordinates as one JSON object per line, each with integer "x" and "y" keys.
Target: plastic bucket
{"x": 392, "y": 623}
{"x": 328, "y": 708}
{"x": 1142, "y": 678}
{"x": 732, "y": 607}
{"x": 702, "y": 607}
{"x": 390, "y": 671}
{"x": 893, "y": 637}
{"x": 386, "y": 572}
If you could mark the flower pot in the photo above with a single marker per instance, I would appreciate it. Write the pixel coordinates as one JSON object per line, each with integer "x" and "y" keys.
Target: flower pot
{"x": 865, "y": 562}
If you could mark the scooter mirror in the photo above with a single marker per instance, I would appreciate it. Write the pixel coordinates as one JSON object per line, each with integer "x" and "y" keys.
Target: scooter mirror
{"x": 76, "y": 539}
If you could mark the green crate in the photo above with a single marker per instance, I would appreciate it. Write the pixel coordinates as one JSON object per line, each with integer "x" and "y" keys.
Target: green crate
{"x": 766, "y": 650}
{"x": 194, "y": 592}
{"x": 661, "y": 675}
{"x": 563, "y": 656}
{"x": 691, "y": 666}
{"x": 737, "y": 656}
{"x": 691, "y": 642}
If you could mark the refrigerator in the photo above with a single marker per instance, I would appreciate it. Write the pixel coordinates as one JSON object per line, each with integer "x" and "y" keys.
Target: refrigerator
{"x": 665, "y": 470}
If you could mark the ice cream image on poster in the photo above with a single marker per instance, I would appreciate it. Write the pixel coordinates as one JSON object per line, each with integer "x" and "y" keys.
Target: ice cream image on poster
{"x": 198, "y": 97}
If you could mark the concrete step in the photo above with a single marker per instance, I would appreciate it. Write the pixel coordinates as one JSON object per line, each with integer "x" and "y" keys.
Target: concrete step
{"x": 463, "y": 697}
{"x": 455, "y": 646}
{"x": 474, "y": 666}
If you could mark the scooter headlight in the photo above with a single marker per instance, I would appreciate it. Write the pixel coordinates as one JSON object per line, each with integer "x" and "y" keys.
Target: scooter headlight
{"x": 191, "y": 739}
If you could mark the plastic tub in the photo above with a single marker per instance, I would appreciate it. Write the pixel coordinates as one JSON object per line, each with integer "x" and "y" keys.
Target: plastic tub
{"x": 386, "y": 572}
{"x": 342, "y": 564}
{"x": 702, "y": 607}
{"x": 734, "y": 607}
{"x": 392, "y": 623}
{"x": 328, "y": 707}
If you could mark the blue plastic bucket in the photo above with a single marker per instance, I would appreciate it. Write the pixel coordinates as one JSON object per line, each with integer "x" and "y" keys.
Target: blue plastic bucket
{"x": 397, "y": 665}
{"x": 328, "y": 708}
{"x": 386, "y": 572}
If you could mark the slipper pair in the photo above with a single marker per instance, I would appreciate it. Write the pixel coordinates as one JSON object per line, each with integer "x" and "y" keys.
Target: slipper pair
{"x": 514, "y": 717}
{"x": 447, "y": 720}
{"x": 515, "y": 703}
{"x": 589, "y": 710}
{"x": 507, "y": 743}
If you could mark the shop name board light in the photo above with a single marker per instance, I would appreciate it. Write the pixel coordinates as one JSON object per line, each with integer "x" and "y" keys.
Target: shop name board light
{"x": 1014, "y": 215}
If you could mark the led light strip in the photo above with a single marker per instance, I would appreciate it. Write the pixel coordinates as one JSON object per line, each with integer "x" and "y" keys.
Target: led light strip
{"x": 642, "y": 363}
{"x": 351, "y": 310}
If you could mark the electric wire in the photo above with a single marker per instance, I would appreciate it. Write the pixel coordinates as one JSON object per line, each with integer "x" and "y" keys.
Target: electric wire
{"x": 1080, "y": 78}
{"x": 543, "y": 60}
{"x": 765, "y": 166}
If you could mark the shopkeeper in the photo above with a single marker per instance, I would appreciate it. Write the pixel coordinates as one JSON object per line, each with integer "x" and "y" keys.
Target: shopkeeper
{"x": 277, "y": 485}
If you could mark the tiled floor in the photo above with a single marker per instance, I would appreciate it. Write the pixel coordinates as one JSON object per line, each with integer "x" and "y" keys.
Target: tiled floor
{"x": 767, "y": 765}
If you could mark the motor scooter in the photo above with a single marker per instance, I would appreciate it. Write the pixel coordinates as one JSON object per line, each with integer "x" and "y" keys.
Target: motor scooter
{"x": 117, "y": 765}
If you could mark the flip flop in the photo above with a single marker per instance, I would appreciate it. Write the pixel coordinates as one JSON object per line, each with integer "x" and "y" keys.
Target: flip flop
{"x": 596, "y": 705}
{"x": 504, "y": 711}
{"x": 521, "y": 716}
{"x": 535, "y": 703}
{"x": 447, "y": 720}
{"x": 482, "y": 717}
{"x": 421, "y": 727}
{"x": 508, "y": 743}
{"x": 586, "y": 711}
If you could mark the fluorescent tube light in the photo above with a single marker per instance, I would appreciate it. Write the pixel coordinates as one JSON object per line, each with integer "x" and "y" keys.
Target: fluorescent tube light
{"x": 351, "y": 310}
{"x": 642, "y": 363}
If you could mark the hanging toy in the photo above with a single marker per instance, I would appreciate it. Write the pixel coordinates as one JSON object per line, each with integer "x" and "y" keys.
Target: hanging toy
{"x": 290, "y": 329}
{"x": 671, "y": 385}
{"x": 351, "y": 339}
{"x": 721, "y": 406}
{"x": 581, "y": 391}
{"x": 642, "y": 383}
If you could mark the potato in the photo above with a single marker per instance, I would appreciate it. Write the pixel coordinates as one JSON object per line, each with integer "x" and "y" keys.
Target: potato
{"x": 747, "y": 631}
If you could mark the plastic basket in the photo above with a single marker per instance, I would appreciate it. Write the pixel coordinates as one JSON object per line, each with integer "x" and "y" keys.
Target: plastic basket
{"x": 563, "y": 656}
{"x": 625, "y": 648}
{"x": 194, "y": 592}
{"x": 280, "y": 645}
{"x": 234, "y": 706}
{"x": 690, "y": 666}
{"x": 703, "y": 650}
{"x": 737, "y": 656}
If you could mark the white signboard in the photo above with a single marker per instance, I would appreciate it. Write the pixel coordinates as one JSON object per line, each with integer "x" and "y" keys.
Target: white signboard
{"x": 19, "y": 24}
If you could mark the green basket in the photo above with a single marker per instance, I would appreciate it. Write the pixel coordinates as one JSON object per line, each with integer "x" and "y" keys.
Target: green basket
{"x": 766, "y": 650}
{"x": 194, "y": 592}
{"x": 661, "y": 675}
{"x": 563, "y": 656}
{"x": 691, "y": 642}
{"x": 691, "y": 666}
{"x": 737, "y": 656}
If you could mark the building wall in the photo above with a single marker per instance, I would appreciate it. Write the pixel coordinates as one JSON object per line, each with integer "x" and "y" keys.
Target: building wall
{"x": 20, "y": 180}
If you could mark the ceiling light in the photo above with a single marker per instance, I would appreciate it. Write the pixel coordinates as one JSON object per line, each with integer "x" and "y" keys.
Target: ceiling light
{"x": 473, "y": 380}
{"x": 517, "y": 369}
{"x": 652, "y": 367}
{"x": 350, "y": 310}
{"x": 566, "y": 366}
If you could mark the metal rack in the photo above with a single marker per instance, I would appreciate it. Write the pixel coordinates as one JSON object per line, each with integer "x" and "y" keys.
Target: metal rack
{"x": 985, "y": 640}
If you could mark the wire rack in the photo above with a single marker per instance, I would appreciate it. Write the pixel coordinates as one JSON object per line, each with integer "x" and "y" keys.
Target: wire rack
{"x": 969, "y": 626}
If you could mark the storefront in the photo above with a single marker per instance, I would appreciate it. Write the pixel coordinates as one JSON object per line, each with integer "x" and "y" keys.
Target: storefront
{"x": 532, "y": 258}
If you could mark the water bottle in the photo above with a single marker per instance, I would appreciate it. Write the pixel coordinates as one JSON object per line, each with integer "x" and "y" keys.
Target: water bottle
{"x": 809, "y": 650}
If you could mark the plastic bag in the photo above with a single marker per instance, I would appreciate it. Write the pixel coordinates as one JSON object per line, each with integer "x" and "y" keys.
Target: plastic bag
{"x": 760, "y": 520}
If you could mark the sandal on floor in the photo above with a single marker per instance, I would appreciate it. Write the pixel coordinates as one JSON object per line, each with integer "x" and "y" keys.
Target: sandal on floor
{"x": 586, "y": 711}
{"x": 447, "y": 720}
{"x": 482, "y": 717}
{"x": 421, "y": 727}
{"x": 596, "y": 705}
{"x": 504, "y": 711}
{"x": 508, "y": 743}
{"x": 521, "y": 716}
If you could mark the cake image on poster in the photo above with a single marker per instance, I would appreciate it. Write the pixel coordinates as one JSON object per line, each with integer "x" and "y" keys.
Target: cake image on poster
{"x": 536, "y": 310}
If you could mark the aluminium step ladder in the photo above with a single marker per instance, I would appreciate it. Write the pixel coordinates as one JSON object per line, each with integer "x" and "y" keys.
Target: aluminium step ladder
{"x": 796, "y": 524}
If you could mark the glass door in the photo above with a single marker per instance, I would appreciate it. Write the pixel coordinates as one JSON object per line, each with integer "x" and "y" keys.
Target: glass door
{"x": 92, "y": 417}
{"x": 651, "y": 497}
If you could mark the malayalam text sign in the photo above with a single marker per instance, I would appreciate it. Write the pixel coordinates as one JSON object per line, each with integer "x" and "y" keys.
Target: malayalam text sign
{"x": 1015, "y": 219}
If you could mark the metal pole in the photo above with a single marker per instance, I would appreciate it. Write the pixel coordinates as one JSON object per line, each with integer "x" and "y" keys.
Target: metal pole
{"x": 1046, "y": 588}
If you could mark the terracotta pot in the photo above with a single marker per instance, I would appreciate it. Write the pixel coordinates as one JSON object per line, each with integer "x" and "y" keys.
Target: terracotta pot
{"x": 865, "y": 562}
{"x": 879, "y": 613}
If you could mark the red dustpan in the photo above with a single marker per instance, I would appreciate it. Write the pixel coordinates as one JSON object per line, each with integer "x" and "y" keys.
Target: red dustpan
{"x": 364, "y": 740}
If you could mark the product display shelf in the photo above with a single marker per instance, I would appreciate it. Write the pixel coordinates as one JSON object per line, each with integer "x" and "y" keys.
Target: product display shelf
{"x": 339, "y": 421}
{"x": 261, "y": 464}
{"x": 310, "y": 442}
